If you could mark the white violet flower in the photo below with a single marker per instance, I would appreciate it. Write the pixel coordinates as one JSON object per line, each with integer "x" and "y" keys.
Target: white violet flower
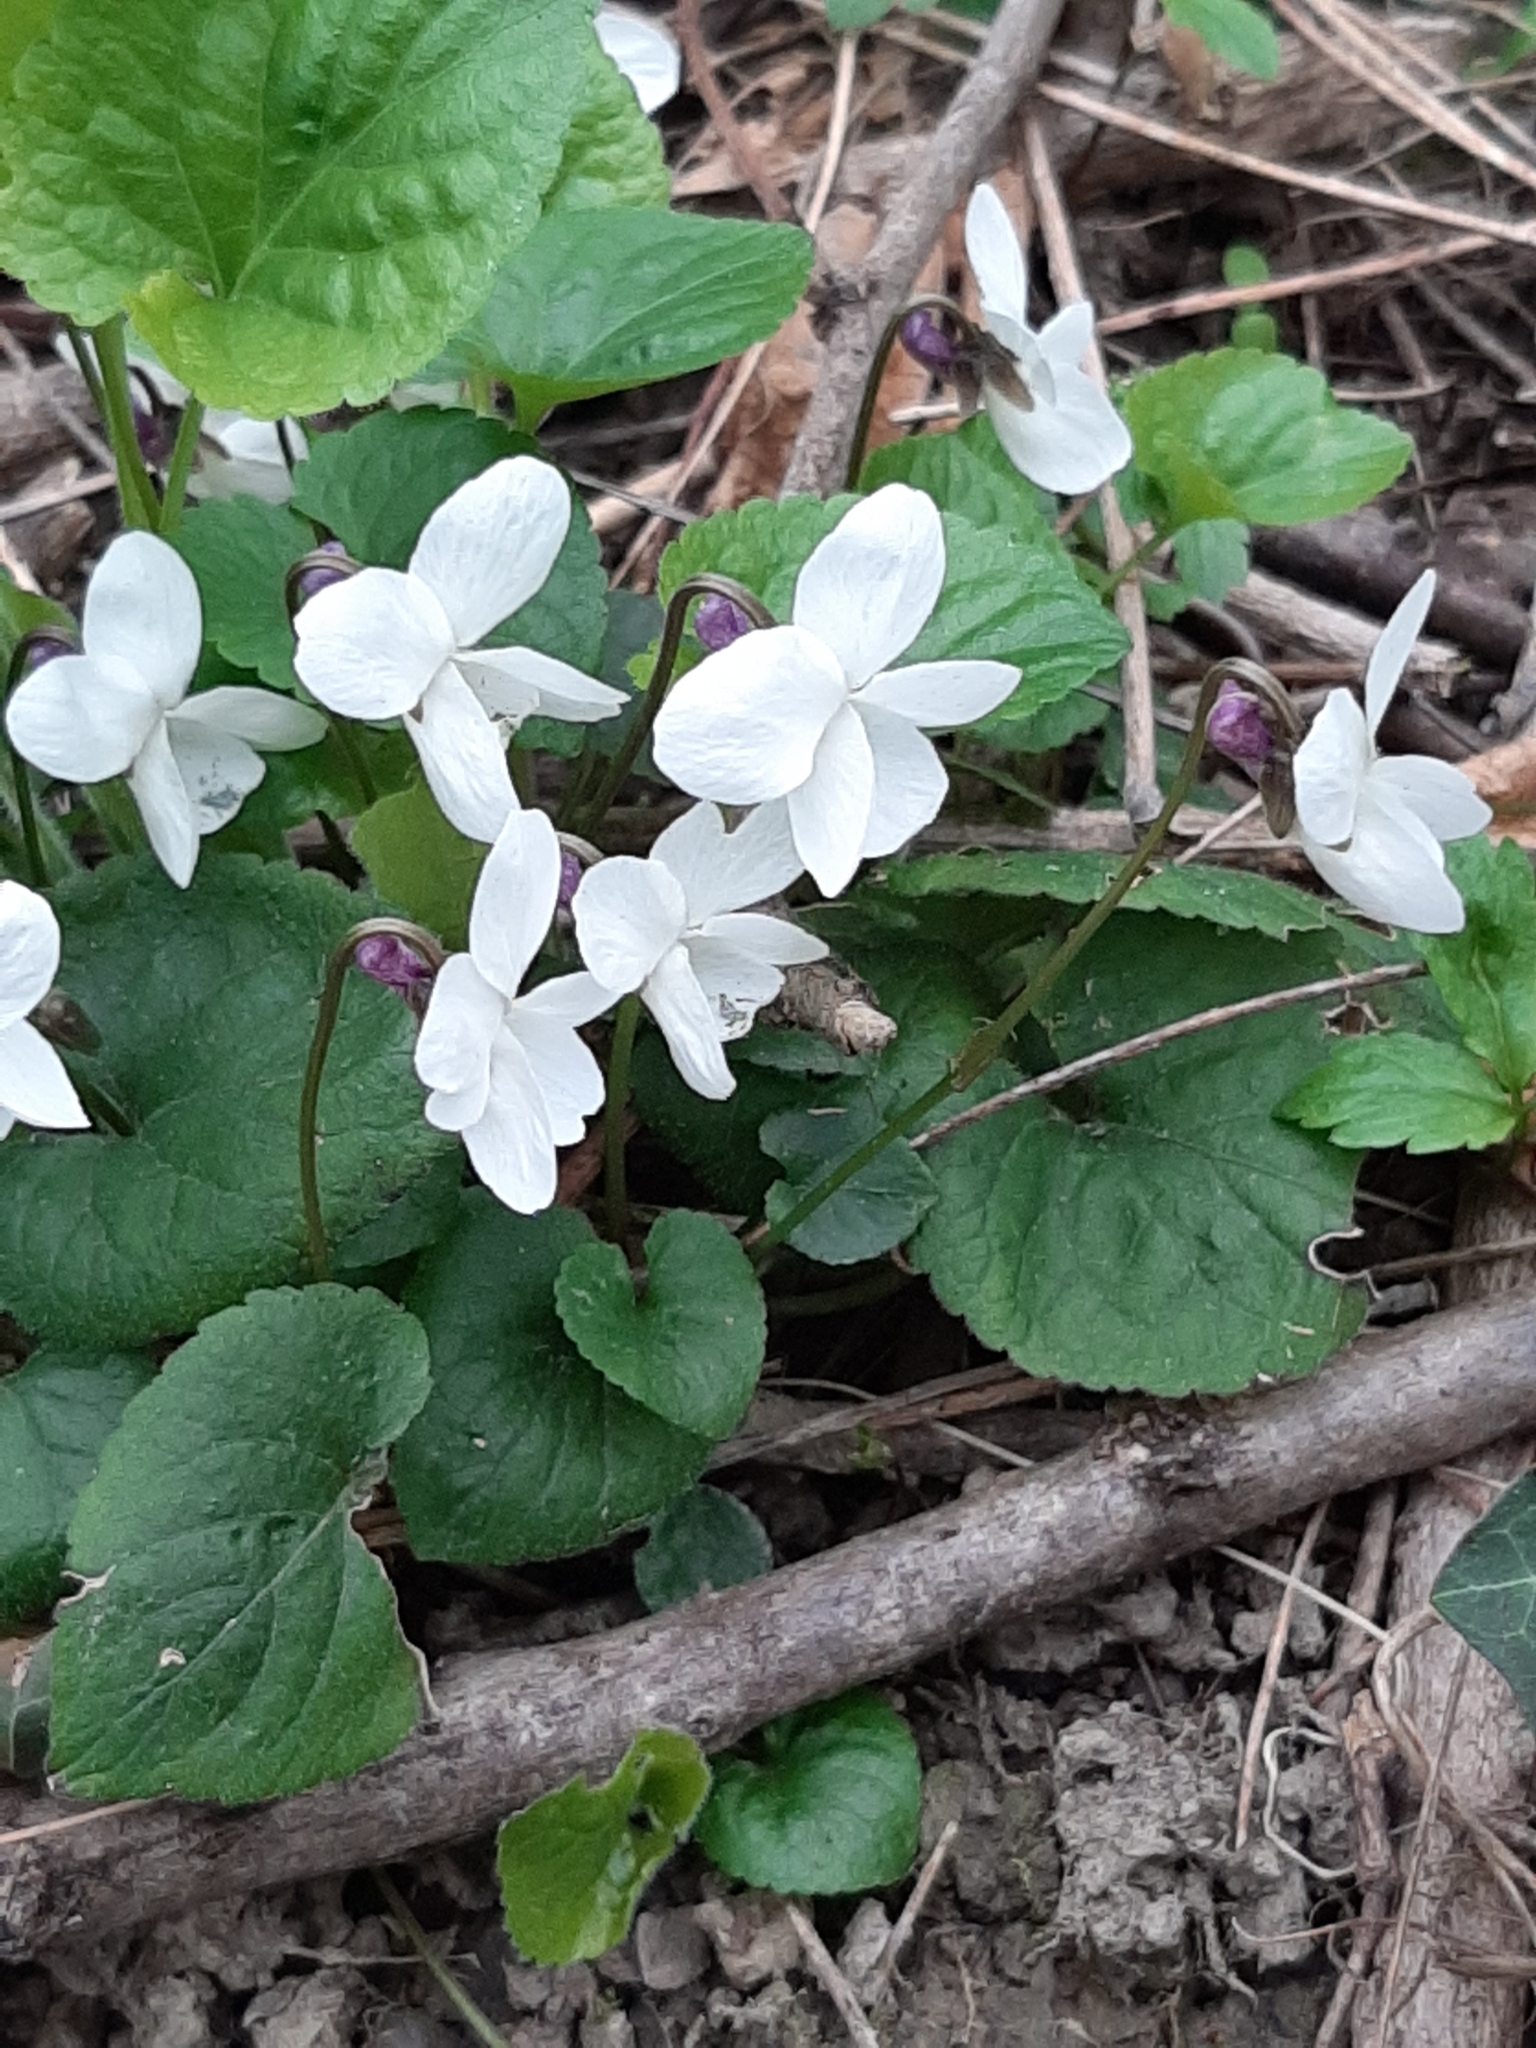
{"x": 34, "y": 1088}
{"x": 121, "y": 706}
{"x": 507, "y": 1071}
{"x": 391, "y": 643}
{"x": 676, "y": 928}
{"x": 1056, "y": 426}
{"x": 1372, "y": 824}
{"x": 643, "y": 50}
{"x": 813, "y": 712}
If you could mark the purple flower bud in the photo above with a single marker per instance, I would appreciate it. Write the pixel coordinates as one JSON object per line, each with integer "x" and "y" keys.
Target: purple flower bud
{"x": 47, "y": 643}
{"x": 316, "y": 576}
{"x": 153, "y": 435}
{"x": 1237, "y": 726}
{"x": 570, "y": 877}
{"x": 718, "y": 621}
{"x": 384, "y": 958}
{"x": 926, "y": 341}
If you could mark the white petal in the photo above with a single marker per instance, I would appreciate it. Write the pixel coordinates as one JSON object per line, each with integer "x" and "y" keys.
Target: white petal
{"x": 537, "y": 682}
{"x": 644, "y": 52}
{"x": 1067, "y": 336}
{"x": 1389, "y": 657}
{"x": 1329, "y": 770}
{"x": 743, "y": 726}
{"x": 369, "y": 647}
{"x": 830, "y": 813}
{"x": 628, "y": 913}
{"x": 453, "y": 1047}
{"x": 514, "y": 901}
{"x": 1032, "y": 362}
{"x": 996, "y": 259}
{"x": 488, "y": 548}
{"x": 567, "y": 998}
{"x": 81, "y": 719}
{"x": 262, "y": 718}
{"x": 1436, "y": 793}
{"x": 142, "y": 606}
{"x": 33, "y": 1083}
{"x": 942, "y": 694}
{"x": 736, "y": 984}
{"x": 165, "y": 806}
{"x": 722, "y": 870}
{"x": 771, "y": 939}
{"x": 29, "y": 951}
{"x": 1393, "y": 869}
{"x": 870, "y": 587}
{"x": 512, "y": 1146}
{"x": 910, "y": 782}
{"x": 463, "y": 756}
{"x": 1072, "y": 445}
{"x": 569, "y": 1078}
{"x": 218, "y": 771}
{"x": 690, "y": 1026}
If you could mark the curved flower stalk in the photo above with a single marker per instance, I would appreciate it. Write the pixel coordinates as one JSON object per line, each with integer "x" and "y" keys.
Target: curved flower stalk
{"x": 121, "y": 706}
{"x": 1373, "y": 825}
{"x": 391, "y": 643}
{"x": 1056, "y": 426}
{"x": 675, "y": 927}
{"x": 34, "y": 1088}
{"x": 507, "y": 1071}
{"x": 813, "y": 713}
{"x": 643, "y": 50}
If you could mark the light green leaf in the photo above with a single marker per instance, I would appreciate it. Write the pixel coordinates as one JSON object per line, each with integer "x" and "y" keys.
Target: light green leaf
{"x": 1487, "y": 971}
{"x": 1243, "y": 264}
{"x": 523, "y": 1450}
{"x": 1246, "y": 435}
{"x": 1151, "y": 1230}
{"x": 574, "y": 1864}
{"x": 968, "y": 472}
{"x": 419, "y": 862}
{"x": 234, "y": 1638}
{"x": 297, "y": 201}
{"x": 603, "y": 299}
{"x": 832, "y": 1806}
{"x": 205, "y": 1000}
{"x": 612, "y": 154}
{"x": 24, "y": 1701}
{"x": 55, "y": 1415}
{"x": 872, "y": 1213}
{"x": 21, "y": 24}
{"x": 1398, "y": 1089}
{"x": 847, "y": 15}
{"x": 703, "y": 1541}
{"x": 1212, "y": 557}
{"x": 691, "y": 1347}
{"x": 1487, "y": 1590}
{"x": 240, "y": 550}
{"x": 375, "y": 486}
{"x": 1233, "y": 29}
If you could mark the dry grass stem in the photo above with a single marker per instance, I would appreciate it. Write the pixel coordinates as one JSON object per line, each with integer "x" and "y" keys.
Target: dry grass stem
{"x": 1279, "y": 1635}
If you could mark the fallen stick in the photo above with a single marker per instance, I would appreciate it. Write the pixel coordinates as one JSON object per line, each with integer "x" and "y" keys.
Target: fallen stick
{"x": 511, "y": 1724}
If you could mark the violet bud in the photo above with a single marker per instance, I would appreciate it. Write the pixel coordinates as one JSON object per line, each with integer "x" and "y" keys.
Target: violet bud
{"x": 1238, "y": 727}
{"x": 384, "y": 958}
{"x": 718, "y": 621}
{"x": 153, "y": 434}
{"x": 926, "y": 341}
{"x": 47, "y": 643}
{"x": 570, "y": 877}
{"x": 312, "y": 575}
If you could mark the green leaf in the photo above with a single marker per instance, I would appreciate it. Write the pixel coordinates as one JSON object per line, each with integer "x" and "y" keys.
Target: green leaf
{"x": 716, "y": 1140}
{"x": 297, "y": 201}
{"x": 703, "y": 1541}
{"x": 691, "y": 1347}
{"x": 1212, "y": 557}
{"x": 831, "y": 1807}
{"x": 1221, "y": 896}
{"x": 1487, "y": 971}
{"x": 234, "y": 1638}
{"x": 1233, "y": 29}
{"x": 1243, "y": 264}
{"x": 22, "y": 612}
{"x": 1398, "y": 1089}
{"x": 417, "y": 860}
{"x": 872, "y": 1213}
{"x": 20, "y": 25}
{"x": 376, "y": 485}
{"x": 599, "y": 300}
{"x": 319, "y": 778}
{"x": 968, "y": 472}
{"x": 1057, "y": 725}
{"x": 613, "y": 154}
{"x": 1487, "y": 1590}
{"x": 574, "y": 1864}
{"x": 240, "y": 550}
{"x": 424, "y": 1212}
{"x": 25, "y": 1692}
{"x": 1151, "y": 1229}
{"x": 523, "y": 1450}
{"x": 55, "y": 1415}
{"x": 205, "y": 999}
{"x": 1246, "y": 435}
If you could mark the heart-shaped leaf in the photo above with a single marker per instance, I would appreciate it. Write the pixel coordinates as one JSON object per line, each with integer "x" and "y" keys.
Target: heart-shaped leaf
{"x": 1487, "y": 1590}
{"x": 704, "y": 1540}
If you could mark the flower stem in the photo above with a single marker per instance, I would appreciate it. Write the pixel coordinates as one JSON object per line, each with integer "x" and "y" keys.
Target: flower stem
{"x": 661, "y": 681}
{"x": 935, "y": 301}
{"x": 615, "y": 1191}
{"x": 448, "y": 1984}
{"x": 984, "y": 1046}
{"x": 420, "y": 941}
{"x": 26, "y": 813}
{"x": 141, "y": 508}
{"x": 183, "y": 455}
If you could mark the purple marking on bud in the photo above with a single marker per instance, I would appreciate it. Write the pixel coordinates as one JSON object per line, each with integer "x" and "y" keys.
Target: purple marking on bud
{"x": 926, "y": 341}
{"x": 153, "y": 436}
{"x": 570, "y": 877}
{"x": 384, "y": 958}
{"x": 47, "y": 643}
{"x": 317, "y": 577}
{"x": 718, "y": 621}
{"x": 1237, "y": 726}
